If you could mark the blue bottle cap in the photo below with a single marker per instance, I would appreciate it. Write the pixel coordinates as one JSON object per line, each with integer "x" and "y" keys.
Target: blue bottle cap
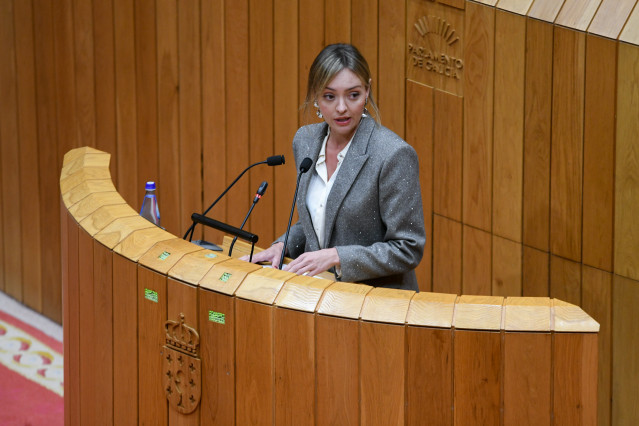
{"x": 150, "y": 186}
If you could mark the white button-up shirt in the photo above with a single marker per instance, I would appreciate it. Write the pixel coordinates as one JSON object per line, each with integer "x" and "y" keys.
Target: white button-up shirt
{"x": 319, "y": 188}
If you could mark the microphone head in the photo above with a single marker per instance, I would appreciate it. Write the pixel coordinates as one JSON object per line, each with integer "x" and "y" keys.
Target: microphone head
{"x": 262, "y": 189}
{"x": 275, "y": 160}
{"x": 305, "y": 165}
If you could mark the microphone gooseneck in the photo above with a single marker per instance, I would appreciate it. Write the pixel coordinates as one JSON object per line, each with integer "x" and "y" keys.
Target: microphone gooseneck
{"x": 274, "y": 160}
{"x": 260, "y": 191}
{"x": 304, "y": 167}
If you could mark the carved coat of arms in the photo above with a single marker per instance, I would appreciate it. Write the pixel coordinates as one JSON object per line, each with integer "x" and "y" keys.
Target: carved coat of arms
{"x": 182, "y": 367}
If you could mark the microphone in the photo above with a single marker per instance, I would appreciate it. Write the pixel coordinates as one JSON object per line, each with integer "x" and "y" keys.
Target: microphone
{"x": 274, "y": 160}
{"x": 304, "y": 166}
{"x": 260, "y": 191}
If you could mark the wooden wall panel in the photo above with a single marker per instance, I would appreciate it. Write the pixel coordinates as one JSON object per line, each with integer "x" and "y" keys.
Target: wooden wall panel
{"x": 625, "y": 363}
{"x": 527, "y": 378}
{"x": 391, "y": 45}
{"x": 429, "y": 376}
{"x": 168, "y": 117}
{"x": 254, "y": 363}
{"x": 146, "y": 70}
{"x": 28, "y": 137}
{"x": 286, "y": 102}
{"x": 337, "y": 21}
{"x": 575, "y": 358}
{"x": 596, "y": 299}
{"x": 103, "y": 328}
{"x": 447, "y": 255}
{"x": 506, "y": 268}
{"x": 152, "y": 405}
{"x": 294, "y": 355}
{"x": 218, "y": 354}
{"x": 537, "y": 134}
{"x": 48, "y": 161}
{"x": 567, "y": 143}
{"x": 125, "y": 356}
{"x": 237, "y": 114}
{"x": 12, "y": 262}
{"x": 65, "y": 77}
{"x": 338, "y": 370}
{"x": 477, "y": 377}
{"x": 310, "y": 43}
{"x": 447, "y": 155}
{"x": 599, "y": 152}
{"x": 479, "y": 27}
{"x": 535, "y": 273}
{"x": 190, "y": 110}
{"x": 626, "y": 238}
{"x": 382, "y": 374}
{"x": 365, "y": 33}
{"x": 105, "y": 121}
{"x": 419, "y": 133}
{"x": 476, "y": 261}
{"x": 261, "y": 117}
{"x": 125, "y": 100}
{"x": 508, "y": 142}
{"x": 213, "y": 110}
{"x": 565, "y": 280}
{"x": 84, "y": 72}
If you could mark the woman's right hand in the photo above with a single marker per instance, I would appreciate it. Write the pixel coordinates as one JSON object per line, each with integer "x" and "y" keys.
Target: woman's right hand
{"x": 270, "y": 255}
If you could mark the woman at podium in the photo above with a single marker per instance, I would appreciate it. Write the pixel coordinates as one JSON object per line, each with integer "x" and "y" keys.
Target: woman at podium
{"x": 359, "y": 205}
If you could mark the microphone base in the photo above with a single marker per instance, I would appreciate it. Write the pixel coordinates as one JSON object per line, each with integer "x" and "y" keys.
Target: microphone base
{"x": 207, "y": 245}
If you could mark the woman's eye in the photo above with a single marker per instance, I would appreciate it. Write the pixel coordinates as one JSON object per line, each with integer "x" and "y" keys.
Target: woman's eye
{"x": 354, "y": 95}
{"x": 329, "y": 97}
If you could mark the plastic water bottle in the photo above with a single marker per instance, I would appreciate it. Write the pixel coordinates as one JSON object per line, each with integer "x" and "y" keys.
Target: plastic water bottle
{"x": 150, "y": 210}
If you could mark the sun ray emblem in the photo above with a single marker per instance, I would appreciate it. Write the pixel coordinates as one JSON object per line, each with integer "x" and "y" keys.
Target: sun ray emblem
{"x": 438, "y": 26}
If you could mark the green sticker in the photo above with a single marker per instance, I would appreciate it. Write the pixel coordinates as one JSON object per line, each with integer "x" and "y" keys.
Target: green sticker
{"x": 225, "y": 277}
{"x": 164, "y": 255}
{"x": 210, "y": 255}
{"x": 217, "y": 317}
{"x": 151, "y": 295}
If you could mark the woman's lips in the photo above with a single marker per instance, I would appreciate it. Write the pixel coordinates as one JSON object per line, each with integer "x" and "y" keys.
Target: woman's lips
{"x": 343, "y": 120}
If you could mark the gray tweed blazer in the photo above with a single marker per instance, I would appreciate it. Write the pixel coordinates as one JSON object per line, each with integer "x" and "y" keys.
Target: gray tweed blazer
{"x": 374, "y": 214}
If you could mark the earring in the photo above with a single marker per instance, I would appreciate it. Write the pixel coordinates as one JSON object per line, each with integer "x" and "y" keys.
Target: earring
{"x": 318, "y": 112}
{"x": 365, "y": 113}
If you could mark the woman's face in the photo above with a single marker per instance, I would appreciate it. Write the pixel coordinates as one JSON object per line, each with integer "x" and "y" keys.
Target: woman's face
{"x": 342, "y": 102}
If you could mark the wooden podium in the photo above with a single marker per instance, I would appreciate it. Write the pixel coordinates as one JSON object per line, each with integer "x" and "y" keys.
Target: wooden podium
{"x": 160, "y": 331}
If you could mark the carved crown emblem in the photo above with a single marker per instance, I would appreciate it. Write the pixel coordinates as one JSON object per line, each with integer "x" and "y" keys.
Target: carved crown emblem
{"x": 182, "y": 337}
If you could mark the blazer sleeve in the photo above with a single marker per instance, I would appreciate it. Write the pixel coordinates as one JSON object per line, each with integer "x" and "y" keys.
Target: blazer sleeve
{"x": 402, "y": 217}
{"x": 296, "y": 240}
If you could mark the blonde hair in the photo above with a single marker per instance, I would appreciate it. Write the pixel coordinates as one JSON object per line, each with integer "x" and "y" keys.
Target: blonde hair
{"x": 330, "y": 61}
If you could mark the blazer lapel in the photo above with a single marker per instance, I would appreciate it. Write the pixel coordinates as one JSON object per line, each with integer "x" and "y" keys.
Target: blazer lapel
{"x": 311, "y": 149}
{"x": 355, "y": 159}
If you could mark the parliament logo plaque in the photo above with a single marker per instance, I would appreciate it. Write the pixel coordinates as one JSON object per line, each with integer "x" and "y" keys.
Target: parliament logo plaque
{"x": 182, "y": 369}
{"x": 434, "y": 45}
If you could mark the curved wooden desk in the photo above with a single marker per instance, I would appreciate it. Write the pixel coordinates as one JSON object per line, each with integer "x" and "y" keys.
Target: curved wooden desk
{"x": 277, "y": 348}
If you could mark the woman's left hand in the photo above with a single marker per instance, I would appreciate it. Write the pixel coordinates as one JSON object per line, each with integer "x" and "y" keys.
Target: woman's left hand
{"x": 314, "y": 262}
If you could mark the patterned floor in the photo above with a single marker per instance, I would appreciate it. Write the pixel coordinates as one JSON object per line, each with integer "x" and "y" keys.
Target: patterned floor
{"x": 31, "y": 362}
